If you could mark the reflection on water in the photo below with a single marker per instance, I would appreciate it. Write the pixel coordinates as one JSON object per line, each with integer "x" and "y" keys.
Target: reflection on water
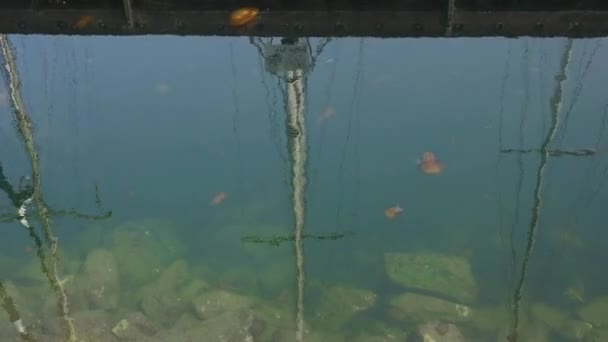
{"x": 236, "y": 189}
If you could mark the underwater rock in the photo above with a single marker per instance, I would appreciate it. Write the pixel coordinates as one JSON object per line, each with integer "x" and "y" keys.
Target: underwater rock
{"x": 31, "y": 274}
{"x": 76, "y": 288}
{"x": 215, "y": 303}
{"x": 560, "y": 322}
{"x": 437, "y": 331}
{"x": 379, "y": 331}
{"x": 529, "y": 331}
{"x": 417, "y": 308}
{"x": 289, "y": 335}
{"x": 20, "y": 298}
{"x": 596, "y": 312}
{"x": 597, "y": 335}
{"x": 338, "y": 304}
{"x": 234, "y": 326}
{"x": 93, "y": 326}
{"x": 125, "y": 331}
{"x": 135, "y": 327}
{"x": 186, "y": 321}
{"x": 279, "y": 320}
{"x": 168, "y": 297}
{"x": 490, "y": 319}
{"x": 162, "y": 307}
{"x": 138, "y": 324}
{"x": 174, "y": 275}
{"x": 449, "y": 276}
{"x": 101, "y": 284}
{"x": 374, "y": 338}
{"x": 143, "y": 248}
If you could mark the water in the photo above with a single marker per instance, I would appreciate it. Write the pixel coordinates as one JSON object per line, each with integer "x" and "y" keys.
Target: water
{"x": 158, "y": 125}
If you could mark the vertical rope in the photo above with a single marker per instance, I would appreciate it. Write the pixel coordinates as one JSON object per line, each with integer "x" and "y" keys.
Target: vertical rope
{"x": 450, "y": 17}
{"x": 556, "y": 104}
{"x": 24, "y": 127}
{"x": 297, "y": 149}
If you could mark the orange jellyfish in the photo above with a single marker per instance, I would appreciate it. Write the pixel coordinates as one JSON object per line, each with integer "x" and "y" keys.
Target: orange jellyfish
{"x": 84, "y": 21}
{"x": 218, "y": 198}
{"x": 243, "y": 16}
{"x": 429, "y": 164}
{"x": 393, "y": 212}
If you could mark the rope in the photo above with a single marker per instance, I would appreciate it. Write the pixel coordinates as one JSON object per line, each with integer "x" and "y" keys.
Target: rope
{"x": 450, "y": 17}
{"x": 556, "y": 104}
{"x": 24, "y": 127}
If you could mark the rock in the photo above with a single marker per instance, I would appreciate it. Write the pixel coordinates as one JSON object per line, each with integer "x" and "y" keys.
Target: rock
{"x": 379, "y": 331}
{"x": 417, "y": 308}
{"x": 231, "y": 326}
{"x": 167, "y": 298}
{"x": 533, "y": 331}
{"x": 22, "y": 301}
{"x": 449, "y": 276}
{"x": 338, "y": 304}
{"x": 560, "y": 322}
{"x": 174, "y": 275}
{"x": 31, "y": 273}
{"x": 597, "y": 335}
{"x": 289, "y": 335}
{"x": 438, "y": 331}
{"x": 142, "y": 249}
{"x": 76, "y": 289}
{"x": 214, "y": 303}
{"x": 135, "y": 327}
{"x": 94, "y": 326}
{"x": 490, "y": 319}
{"x": 101, "y": 280}
{"x": 186, "y": 321}
{"x": 596, "y": 312}
{"x": 126, "y": 332}
{"x": 143, "y": 323}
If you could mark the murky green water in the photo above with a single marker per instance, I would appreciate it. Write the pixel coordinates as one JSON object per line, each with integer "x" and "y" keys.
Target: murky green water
{"x": 508, "y": 240}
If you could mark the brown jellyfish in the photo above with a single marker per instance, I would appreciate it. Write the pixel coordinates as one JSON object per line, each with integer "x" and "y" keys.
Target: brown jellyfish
{"x": 218, "y": 198}
{"x": 393, "y": 212}
{"x": 429, "y": 164}
{"x": 243, "y": 16}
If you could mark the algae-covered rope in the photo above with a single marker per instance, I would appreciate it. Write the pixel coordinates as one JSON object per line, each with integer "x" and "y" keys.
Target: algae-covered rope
{"x": 556, "y": 104}
{"x": 24, "y": 127}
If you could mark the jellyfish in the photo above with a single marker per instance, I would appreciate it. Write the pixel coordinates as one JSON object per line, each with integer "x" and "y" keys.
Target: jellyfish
{"x": 429, "y": 164}
{"x": 243, "y": 16}
{"x": 393, "y": 212}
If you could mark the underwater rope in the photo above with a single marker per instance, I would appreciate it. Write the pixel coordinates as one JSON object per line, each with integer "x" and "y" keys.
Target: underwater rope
{"x": 8, "y": 304}
{"x": 450, "y": 17}
{"x": 24, "y": 127}
{"x": 556, "y": 104}
{"x": 297, "y": 148}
